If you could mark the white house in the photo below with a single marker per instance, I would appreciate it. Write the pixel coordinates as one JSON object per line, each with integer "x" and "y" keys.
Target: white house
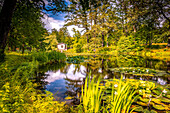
{"x": 62, "y": 46}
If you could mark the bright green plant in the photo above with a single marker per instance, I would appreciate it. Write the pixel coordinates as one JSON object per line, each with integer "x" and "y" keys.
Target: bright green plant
{"x": 17, "y": 99}
{"x": 91, "y": 96}
{"x": 126, "y": 44}
{"x": 121, "y": 98}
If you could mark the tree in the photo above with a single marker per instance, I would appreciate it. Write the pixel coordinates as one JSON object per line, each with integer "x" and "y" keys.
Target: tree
{"x": 78, "y": 15}
{"x": 8, "y": 9}
{"x": 29, "y": 18}
{"x": 5, "y": 21}
{"x": 51, "y": 42}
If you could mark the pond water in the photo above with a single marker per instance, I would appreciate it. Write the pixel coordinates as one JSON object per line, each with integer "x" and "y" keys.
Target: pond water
{"x": 66, "y": 79}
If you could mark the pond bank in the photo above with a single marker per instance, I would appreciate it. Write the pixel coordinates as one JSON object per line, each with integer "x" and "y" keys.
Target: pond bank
{"x": 19, "y": 90}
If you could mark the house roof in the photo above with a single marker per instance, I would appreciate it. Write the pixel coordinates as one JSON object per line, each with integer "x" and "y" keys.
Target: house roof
{"x": 60, "y": 43}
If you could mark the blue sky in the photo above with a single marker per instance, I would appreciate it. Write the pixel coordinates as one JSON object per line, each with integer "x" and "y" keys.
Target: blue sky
{"x": 57, "y": 21}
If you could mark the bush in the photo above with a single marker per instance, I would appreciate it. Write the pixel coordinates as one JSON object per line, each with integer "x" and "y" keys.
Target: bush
{"x": 44, "y": 57}
{"x": 14, "y": 98}
{"x": 40, "y": 56}
{"x": 56, "y": 56}
{"x": 126, "y": 44}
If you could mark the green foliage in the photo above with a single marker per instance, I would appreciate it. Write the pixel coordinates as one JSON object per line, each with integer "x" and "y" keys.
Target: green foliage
{"x": 92, "y": 95}
{"x": 118, "y": 101}
{"x": 78, "y": 47}
{"x": 75, "y": 59}
{"x": 51, "y": 42}
{"x": 15, "y": 98}
{"x": 56, "y": 56}
{"x": 122, "y": 96}
{"x": 44, "y": 57}
{"x": 126, "y": 44}
{"x": 18, "y": 92}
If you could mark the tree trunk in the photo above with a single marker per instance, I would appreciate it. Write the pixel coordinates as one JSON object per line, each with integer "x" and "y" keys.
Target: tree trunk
{"x": 23, "y": 48}
{"x": 5, "y": 21}
{"x": 168, "y": 42}
{"x": 103, "y": 43}
{"x": 134, "y": 28}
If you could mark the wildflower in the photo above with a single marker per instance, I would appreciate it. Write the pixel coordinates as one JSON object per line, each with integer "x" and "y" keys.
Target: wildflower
{"x": 164, "y": 91}
{"x": 147, "y": 70}
{"x": 115, "y": 85}
{"x": 115, "y": 93}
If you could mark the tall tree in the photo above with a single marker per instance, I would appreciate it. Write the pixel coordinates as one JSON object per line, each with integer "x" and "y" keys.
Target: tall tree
{"x": 8, "y": 9}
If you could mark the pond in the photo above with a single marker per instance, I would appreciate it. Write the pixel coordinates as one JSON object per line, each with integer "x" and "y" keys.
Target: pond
{"x": 66, "y": 79}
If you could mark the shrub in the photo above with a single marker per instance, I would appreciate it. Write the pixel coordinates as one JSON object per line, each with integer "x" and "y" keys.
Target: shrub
{"x": 40, "y": 56}
{"x": 16, "y": 99}
{"x": 126, "y": 44}
{"x": 44, "y": 57}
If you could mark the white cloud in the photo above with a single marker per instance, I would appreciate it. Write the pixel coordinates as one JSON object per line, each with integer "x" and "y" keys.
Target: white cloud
{"x": 53, "y": 76}
{"x": 51, "y": 23}
{"x": 71, "y": 27}
{"x": 46, "y": 2}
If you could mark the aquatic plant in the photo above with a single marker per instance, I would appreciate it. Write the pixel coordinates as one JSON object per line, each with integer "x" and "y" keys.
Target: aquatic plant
{"x": 16, "y": 99}
{"x": 75, "y": 59}
{"x": 139, "y": 71}
{"x": 151, "y": 96}
{"x": 119, "y": 96}
{"x": 114, "y": 98}
{"x": 91, "y": 96}
{"x": 44, "y": 57}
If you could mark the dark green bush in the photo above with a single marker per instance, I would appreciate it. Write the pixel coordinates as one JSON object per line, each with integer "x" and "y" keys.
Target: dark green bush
{"x": 44, "y": 57}
{"x": 40, "y": 56}
{"x": 57, "y": 56}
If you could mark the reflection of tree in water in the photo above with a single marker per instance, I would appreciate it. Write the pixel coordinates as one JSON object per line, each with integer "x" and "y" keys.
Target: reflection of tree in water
{"x": 73, "y": 88}
{"x": 129, "y": 61}
{"x": 65, "y": 69}
{"x": 137, "y": 61}
{"x": 52, "y": 66}
{"x": 39, "y": 79}
{"x": 41, "y": 76}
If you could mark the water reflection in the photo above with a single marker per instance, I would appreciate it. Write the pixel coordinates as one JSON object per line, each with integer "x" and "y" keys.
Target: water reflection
{"x": 66, "y": 79}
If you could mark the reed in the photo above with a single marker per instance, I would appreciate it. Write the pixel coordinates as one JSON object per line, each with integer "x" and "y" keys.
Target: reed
{"x": 91, "y": 96}
{"x": 122, "y": 98}
{"x": 95, "y": 99}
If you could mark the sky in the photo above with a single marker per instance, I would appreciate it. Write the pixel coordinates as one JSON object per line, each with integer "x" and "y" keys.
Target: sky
{"x": 57, "y": 21}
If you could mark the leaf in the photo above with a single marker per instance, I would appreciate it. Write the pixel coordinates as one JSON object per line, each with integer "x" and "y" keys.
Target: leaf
{"x": 140, "y": 108}
{"x": 165, "y": 100}
{"x": 144, "y": 99}
{"x": 68, "y": 98}
{"x": 159, "y": 107}
{"x": 153, "y": 111}
{"x": 146, "y": 111}
{"x": 157, "y": 92}
{"x": 156, "y": 101}
{"x": 142, "y": 103}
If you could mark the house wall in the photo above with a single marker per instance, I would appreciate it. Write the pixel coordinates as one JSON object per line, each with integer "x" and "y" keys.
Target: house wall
{"x": 61, "y": 47}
